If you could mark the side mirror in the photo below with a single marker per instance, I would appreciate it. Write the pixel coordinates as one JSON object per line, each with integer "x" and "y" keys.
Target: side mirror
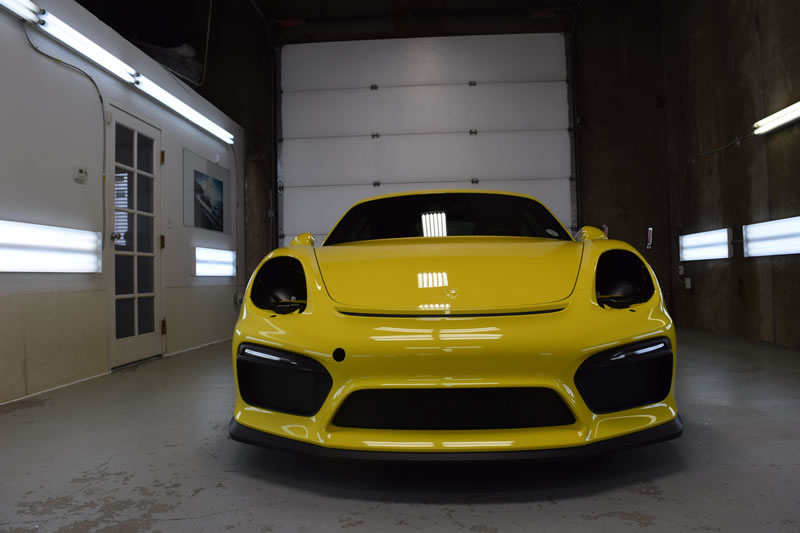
{"x": 304, "y": 239}
{"x": 590, "y": 233}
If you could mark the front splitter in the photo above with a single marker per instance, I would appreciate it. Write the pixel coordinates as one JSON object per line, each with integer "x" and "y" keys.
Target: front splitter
{"x": 670, "y": 430}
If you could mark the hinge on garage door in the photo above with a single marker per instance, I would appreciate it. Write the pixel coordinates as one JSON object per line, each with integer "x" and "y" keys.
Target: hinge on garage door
{"x": 163, "y": 156}
{"x": 163, "y": 241}
{"x": 163, "y": 326}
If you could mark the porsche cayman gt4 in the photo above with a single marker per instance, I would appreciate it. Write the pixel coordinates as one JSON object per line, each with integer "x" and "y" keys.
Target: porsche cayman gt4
{"x": 454, "y": 325}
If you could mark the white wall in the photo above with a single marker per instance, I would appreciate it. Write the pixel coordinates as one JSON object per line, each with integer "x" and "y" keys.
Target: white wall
{"x": 53, "y": 328}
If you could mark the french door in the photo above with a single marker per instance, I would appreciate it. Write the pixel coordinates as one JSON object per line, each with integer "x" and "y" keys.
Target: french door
{"x": 132, "y": 193}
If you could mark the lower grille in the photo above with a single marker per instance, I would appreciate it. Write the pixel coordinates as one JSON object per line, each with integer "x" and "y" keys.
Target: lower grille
{"x": 626, "y": 377}
{"x": 281, "y": 381}
{"x": 442, "y": 409}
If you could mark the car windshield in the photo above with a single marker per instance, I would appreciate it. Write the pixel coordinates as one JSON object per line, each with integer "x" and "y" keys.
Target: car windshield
{"x": 446, "y": 214}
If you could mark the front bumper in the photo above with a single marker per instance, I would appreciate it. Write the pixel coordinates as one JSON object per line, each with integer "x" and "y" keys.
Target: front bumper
{"x": 668, "y": 431}
{"x": 389, "y": 354}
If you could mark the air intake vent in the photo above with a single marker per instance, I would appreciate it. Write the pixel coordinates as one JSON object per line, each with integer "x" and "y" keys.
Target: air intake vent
{"x": 281, "y": 381}
{"x": 442, "y": 409}
{"x": 626, "y": 377}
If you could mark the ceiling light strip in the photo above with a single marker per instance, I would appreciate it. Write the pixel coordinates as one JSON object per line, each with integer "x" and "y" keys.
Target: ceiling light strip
{"x": 65, "y": 34}
{"x": 776, "y": 120}
{"x": 23, "y": 9}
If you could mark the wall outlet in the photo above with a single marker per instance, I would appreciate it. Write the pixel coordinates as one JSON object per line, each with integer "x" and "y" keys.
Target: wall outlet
{"x": 80, "y": 174}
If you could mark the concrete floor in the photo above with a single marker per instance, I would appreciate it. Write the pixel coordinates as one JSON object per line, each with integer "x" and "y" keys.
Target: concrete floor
{"x": 146, "y": 449}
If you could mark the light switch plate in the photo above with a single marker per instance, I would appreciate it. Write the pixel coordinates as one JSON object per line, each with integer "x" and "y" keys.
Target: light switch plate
{"x": 80, "y": 174}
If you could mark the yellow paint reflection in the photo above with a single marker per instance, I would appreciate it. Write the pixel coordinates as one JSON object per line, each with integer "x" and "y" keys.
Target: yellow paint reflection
{"x": 392, "y": 444}
{"x": 396, "y": 338}
{"x": 479, "y": 444}
{"x": 296, "y": 430}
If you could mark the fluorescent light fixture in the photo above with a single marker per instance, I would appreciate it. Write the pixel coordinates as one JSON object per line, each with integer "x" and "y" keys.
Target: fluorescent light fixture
{"x": 36, "y": 248}
{"x": 714, "y": 244}
{"x": 62, "y": 32}
{"x": 23, "y": 9}
{"x": 213, "y": 262}
{"x": 776, "y": 237}
{"x": 434, "y": 224}
{"x": 776, "y": 120}
{"x": 182, "y": 109}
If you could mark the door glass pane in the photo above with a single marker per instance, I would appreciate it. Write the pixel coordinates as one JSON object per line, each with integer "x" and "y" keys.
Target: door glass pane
{"x": 123, "y": 224}
{"x": 146, "y": 318}
{"x": 123, "y": 188}
{"x": 145, "y": 154}
{"x": 125, "y": 323}
{"x": 123, "y": 274}
{"x": 144, "y": 196}
{"x": 144, "y": 274}
{"x": 124, "y": 146}
{"x": 144, "y": 235}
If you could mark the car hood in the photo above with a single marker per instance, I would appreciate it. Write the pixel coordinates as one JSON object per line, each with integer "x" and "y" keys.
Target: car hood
{"x": 455, "y": 275}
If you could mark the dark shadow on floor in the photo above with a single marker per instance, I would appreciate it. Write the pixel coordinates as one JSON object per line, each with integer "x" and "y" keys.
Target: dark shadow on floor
{"x": 462, "y": 483}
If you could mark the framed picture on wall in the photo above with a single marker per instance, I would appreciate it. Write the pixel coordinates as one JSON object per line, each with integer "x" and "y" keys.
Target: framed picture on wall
{"x": 206, "y": 194}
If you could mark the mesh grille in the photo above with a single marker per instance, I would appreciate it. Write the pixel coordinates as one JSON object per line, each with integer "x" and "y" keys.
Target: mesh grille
{"x": 434, "y": 409}
{"x": 627, "y": 377}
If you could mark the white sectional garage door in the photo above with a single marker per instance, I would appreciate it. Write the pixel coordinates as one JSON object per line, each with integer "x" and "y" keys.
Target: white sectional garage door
{"x": 363, "y": 118}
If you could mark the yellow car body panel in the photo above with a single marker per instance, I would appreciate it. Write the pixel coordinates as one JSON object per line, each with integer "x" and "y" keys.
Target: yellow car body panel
{"x": 538, "y": 337}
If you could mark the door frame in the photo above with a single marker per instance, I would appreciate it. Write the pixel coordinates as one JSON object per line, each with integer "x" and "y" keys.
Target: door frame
{"x": 137, "y": 347}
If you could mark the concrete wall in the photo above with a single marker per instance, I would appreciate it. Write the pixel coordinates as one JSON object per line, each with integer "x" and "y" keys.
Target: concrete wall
{"x": 53, "y": 327}
{"x": 726, "y": 65}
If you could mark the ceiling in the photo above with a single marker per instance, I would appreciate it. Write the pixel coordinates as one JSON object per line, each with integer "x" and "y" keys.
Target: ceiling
{"x": 175, "y": 22}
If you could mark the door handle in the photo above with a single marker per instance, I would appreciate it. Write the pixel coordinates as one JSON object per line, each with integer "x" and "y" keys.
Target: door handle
{"x": 116, "y": 236}
{"x": 649, "y": 238}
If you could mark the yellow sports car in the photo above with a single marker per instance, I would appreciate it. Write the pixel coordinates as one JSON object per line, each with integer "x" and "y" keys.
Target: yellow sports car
{"x": 454, "y": 325}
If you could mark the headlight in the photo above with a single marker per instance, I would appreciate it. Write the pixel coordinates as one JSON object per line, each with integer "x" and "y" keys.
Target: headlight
{"x": 622, "y": 279}
{"x": 280, "y": 286}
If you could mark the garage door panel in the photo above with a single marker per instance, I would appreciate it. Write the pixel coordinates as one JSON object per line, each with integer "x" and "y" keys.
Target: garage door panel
{"x": 426, "y": 109}
{"x": 423, "y": 61}
{"x": 421, "y": 158}
{"x": 317, "y": 209}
